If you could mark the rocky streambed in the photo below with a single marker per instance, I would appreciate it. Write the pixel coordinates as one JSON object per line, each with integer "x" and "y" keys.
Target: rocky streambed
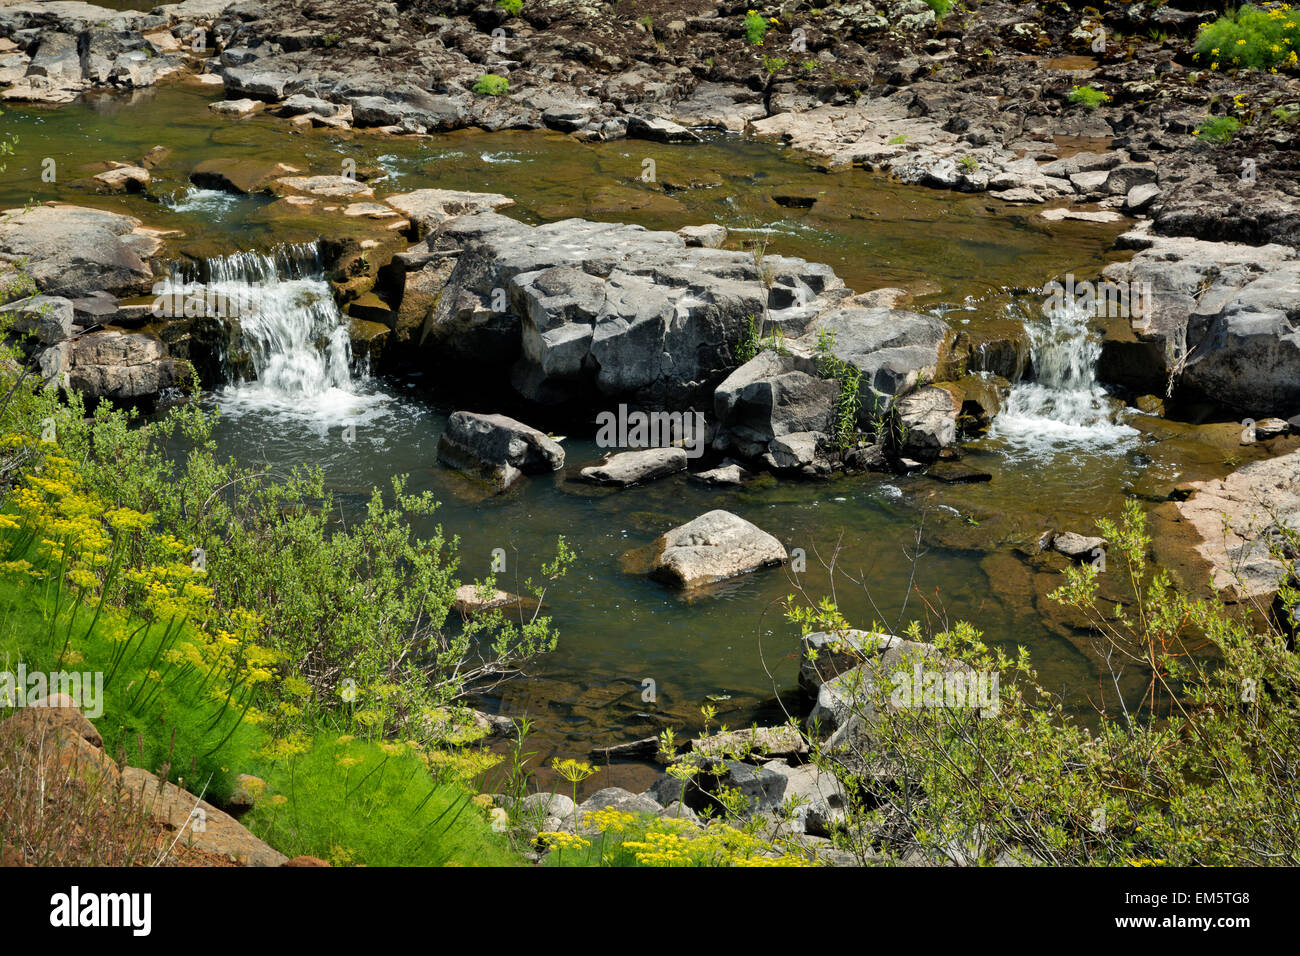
{"x": 816, "y": 354}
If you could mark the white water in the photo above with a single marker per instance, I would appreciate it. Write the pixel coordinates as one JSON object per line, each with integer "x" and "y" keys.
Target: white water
{"x": 1063, "y": 408}
{"x": 297, "y": 338}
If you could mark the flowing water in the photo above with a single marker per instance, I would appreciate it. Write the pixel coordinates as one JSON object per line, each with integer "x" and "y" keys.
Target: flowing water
{"x": 1062, "y": 454}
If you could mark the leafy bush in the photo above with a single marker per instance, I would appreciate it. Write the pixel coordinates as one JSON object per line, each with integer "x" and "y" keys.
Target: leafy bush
{"x": 940, "y": 7}
{"x": 1219, "y": 129}
{"x": 755, "y": 27}
{"x": 1195, "y": 764}
{"x": 489, "y": 84}
{"x": 1089, "y": 96}
{"x": 1252, "y": 38}
{"x": 512, "y": 7}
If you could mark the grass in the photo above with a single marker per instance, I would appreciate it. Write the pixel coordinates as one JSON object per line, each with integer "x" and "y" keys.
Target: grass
{"x": 1218, "y": 130}
{"x": 353, "y": 801}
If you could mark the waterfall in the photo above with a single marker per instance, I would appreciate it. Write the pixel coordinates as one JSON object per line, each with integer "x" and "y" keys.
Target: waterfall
{"x": 296, "y": 337}
{"x": 1064, "y": 407}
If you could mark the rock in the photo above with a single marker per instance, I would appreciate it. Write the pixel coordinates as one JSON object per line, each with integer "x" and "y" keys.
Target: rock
{"x": 576, "y": 309}
{"x": 818, "y": 797}
{"x": 547, "y": 806}
{"x": 123, "y": 366}
{"x": 1140, "y": 198}
{"x": 1267, "y": 428}
{"x": 326, "y": 187}
{"x": 1238, "y": 519}
{"x": 641, "y": 749}
{"x": 1077, "y": 546}
{"x": 825, "y": 655}
{"x": 496, "y": 448}
{"x": 240, "y": 176}
{"x": 1227, "y": 308}
{"x": 799, "y": 451}
{"x": 659, "y": 130}
{"x": 246, "y": 794}
{"x": 956, "y": 473}
{"x": 618, "y": 799}
{"x": 428, "y": 209}
{"x": 305, "y": 861}
{"x": 725, "y": 475}
{"x": 927, "y": 421}
{"x": 73, "y": 251}
{"x": 772, "y": 395}
{"x": 709, "y": 236}
{"x": 64, "y": 743}
{"x": 470, "y": 600}
{"x": 198, "y": 822}
{"x": 893, "y": 349}
{"x": 123, "y": 179}
{"x": 48, "y": 319}
{"x": 243, "y": 107}
{"x": 762, "y": 789}
{"x": 713, "y": 547}
{"x": 783, "y": 741}
{"x": 636, "y": 467}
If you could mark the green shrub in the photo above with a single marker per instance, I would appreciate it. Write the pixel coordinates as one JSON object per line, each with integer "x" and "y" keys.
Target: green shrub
{"x": 940, "y": 7}
{"x": 1089, "y": 96}
{"x": 1218, "y": 129}
{"x": 512, "y": 7}
{"x": 755, "y": 27}
{"x": 1251, "y": 38}
{"x": 1190, "y": 758}
{"x": 489, "y": 84}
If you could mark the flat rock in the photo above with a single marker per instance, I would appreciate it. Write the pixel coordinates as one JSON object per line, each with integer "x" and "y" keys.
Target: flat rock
{"x": 636, "y": 467}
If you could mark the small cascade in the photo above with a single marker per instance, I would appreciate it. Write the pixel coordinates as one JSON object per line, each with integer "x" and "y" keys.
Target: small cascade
{"x": 297, "y": 339}
{"x": 1064, "y": 405}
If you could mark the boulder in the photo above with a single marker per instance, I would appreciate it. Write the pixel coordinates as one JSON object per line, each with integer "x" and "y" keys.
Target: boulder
{"x": 658, "y": 129}
{"x": 636, "y": 467}
{"x": 47, "y": 319}
{"x": 927, "y": 422}
{"x": 773, "y": 394}
{"x": 615, "y": 798}
{"x": 713, "y": 547}
{"x": 709, "y": 236}
{"x": 893, "y": 349}
{"x": 123, "y": 178}
{"x": 198, "y": 823}
{"x": 122, "y": 366}
{"x": 1239, "y": 519}
{"x": 73, "y": 251}
{"x": 496, "y": 448}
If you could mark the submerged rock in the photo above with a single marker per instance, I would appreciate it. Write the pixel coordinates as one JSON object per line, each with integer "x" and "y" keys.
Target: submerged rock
{"x": 496, "y": 448}
{"x": 713, "y": 547}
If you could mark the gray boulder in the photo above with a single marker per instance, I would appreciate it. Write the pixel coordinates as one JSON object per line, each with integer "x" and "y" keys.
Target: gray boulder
{"x": 892, "y": 348}
{"x": 496, "y": 448}
{"x": 927, "y": 421}
{"x": 713, "y": 547}
{"x": 771, "y": 395}
{"x": 73, "y": 251}
{"x": 47, "y": 319}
